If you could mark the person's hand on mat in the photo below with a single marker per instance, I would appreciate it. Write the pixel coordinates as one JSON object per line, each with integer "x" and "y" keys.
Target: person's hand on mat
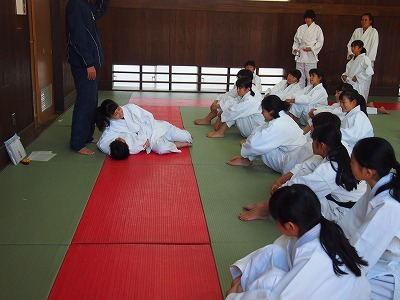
{"x": 235, "y": 286}
{"x": 242, "y": 142}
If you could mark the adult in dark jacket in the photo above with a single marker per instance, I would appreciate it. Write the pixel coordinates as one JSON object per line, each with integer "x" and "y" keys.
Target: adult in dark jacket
{"x": 85, "y": 55}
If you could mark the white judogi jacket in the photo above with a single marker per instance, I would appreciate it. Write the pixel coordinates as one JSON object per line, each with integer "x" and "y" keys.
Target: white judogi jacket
{"x": 257, "y": 82}
{"x": 373, "y": 228}
{"x": 306, "y": 99}
{"x": 283, "y": 90}
{"x": 322, "y": 182}
{"x": 360, "y": 67}
{"x": 355, "y": 126}
{"x": 305, "y": 273}
{"x": 245, "y": 113}
{"x": 308, "y": 36}
{"x": 370, "y": 39}
{"x": 274, "y": 141}
{"x": 232, "y": 98}
{"x": 137, "y": 126}
{"x": 335, "y": 109}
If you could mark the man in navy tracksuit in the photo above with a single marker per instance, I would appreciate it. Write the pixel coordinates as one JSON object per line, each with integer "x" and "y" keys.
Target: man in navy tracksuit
{"x": 85, "y": 55}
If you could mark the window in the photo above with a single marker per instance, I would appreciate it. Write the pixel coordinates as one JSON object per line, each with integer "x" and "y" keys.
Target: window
{"x": 185, "y": 78}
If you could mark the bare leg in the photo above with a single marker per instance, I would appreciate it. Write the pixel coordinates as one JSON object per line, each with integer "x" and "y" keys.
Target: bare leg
{"x": 254, "y": 205}
{"x": 217, "y": 124}
{"x": 258, "y": 213}
{"x": 85, "y": 151}
{"x": 182, "y": 144}
{"x": 239, "y": 161}
{"x": 220, "y": 133}
{"x": 207, "y": 120}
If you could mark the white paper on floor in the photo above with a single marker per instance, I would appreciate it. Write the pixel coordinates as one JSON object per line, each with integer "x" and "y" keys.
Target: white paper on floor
{"x": 41, "y": 155}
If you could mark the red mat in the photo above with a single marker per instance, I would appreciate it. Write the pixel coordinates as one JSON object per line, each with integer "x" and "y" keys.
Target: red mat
{"x": 144, "y": 204}
{"x": 137, "y": 272}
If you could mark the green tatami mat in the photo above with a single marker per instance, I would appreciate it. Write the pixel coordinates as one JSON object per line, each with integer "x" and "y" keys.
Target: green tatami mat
{"x": 226, "y": 254}
{"x": 28, "y": 271}
{"x": 223, "y": 191}
{"x": 388, "y": 127}
{"x": 56, "y": 139}
{"x": 43, "y": 203}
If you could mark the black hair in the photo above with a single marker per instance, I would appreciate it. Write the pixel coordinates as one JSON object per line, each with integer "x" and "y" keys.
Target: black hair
{"x": 309, "y": 13}
{"x": 273, "y": 102}
{"x": 104, "y": 112}
{"x": 300, "y": 205}
{"x": 326, "y": 117}
{"x": 245, "y": 73}
{"x": 344, "y": 86}
{"x": 332, "y": 137}
{"x": 360, "y": 44}
{"x": 354, "y": 95}
{"x": 251, "y": 63}
{"x": 295, "y": 73}
{"x": 381, "y": 158}
{"x": 245, "y": 82}
{"x": 319, "y": 73}
{"x": 369, "y": 16}
{"x": 119, "y": 150}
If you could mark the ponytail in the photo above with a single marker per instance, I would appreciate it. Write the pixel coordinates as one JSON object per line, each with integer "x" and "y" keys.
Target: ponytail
{"x": 274, "y": 103}
{"x": 377, "y": 154}
{"x": 332, "y": 137}
{"x": 354, "y": 95}
{"x": 300, "y": 205}
{"x": 335, "y": 244}
{"x": 104, "y": 112}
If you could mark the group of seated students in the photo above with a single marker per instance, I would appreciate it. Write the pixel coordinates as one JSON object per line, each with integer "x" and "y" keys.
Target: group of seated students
{"x": 336, "y": 203}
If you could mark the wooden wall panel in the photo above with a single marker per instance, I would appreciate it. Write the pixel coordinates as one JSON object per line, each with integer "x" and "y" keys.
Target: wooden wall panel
{"x": 219, "y": 33}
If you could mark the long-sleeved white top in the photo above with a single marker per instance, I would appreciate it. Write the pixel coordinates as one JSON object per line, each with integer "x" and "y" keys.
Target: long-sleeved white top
{"x": 355, "y": 126}
{"x": 273, "y": 141}
{"x": 283, "y": 90}
{"x": 307, "y": 274}
{"x": 370, "y": 39}
{"x": 308, "y": 36}
{"x": 361, "y": 68}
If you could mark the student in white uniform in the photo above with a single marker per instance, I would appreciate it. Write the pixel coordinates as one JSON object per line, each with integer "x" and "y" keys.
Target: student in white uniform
{"x": 273, "y": 140}
{"x": 335, "y": 108}
{"x": 251, "y": 66}
{"x": 373, "y": 224}
{"x": 245, "y": 114}
{"x": 370, "y": 37}
{"x": 306, "y": 150}
{"x": 332, "y": 179}
{"x": 358, "y": 69}
{"x": 130, "y": 129}
{"x": 311, "y": 96}
{"x": 312, "y": 260}
{"x": 228, "y": 98}
{"x": 356, "y": 124}
{"x": 307, "y": 43}
{"x": 285, "y": 88}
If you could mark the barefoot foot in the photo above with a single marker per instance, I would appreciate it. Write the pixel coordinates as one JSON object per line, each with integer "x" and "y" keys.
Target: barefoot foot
{"x": 85, "y": 151}
{"x": 202, "y": 122}
{"x": 255, "y": 205}
{"x": 382, "y": 110}
{"x": 258, "y": 213}
{"x": 239, "y": 161}
{"x": 182, "y": 145}
{"x": 215, "y": 134}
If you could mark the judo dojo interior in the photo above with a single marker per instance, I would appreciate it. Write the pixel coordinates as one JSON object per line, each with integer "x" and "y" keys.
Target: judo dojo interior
{"x": 154, "y": 226}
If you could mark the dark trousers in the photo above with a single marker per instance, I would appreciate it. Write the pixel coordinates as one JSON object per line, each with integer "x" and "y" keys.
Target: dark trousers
{"x": 83, "y": 117}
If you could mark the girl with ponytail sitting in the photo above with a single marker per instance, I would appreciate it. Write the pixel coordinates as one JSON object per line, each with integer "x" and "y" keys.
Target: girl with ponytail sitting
{"x": 373, "y": 224}
{"x": 313, "y": 260}
{"x": 245, "y": 113}
{"x": 332, "y": 180}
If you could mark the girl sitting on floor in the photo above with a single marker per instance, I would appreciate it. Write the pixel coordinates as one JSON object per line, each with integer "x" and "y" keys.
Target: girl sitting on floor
{"x": 332, "y": 180}
{"x": 245, "y": 113}
{"x": 313, "y": 260}
{"x": 130, "y": 129}
{"x": 373, "y": 224}
{"x": 273, "y": 141}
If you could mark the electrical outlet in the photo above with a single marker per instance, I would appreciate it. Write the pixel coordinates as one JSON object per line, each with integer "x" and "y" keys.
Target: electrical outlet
{"x": 14, "y": 119}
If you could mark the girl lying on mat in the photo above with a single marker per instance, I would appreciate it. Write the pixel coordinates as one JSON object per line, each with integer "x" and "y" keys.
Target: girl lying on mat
{"x": 312, "y": 260}
{"x": 130, "y": 129}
